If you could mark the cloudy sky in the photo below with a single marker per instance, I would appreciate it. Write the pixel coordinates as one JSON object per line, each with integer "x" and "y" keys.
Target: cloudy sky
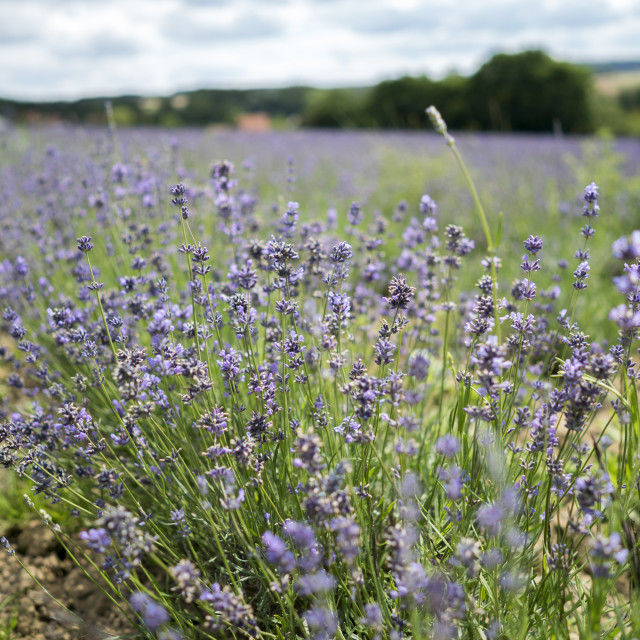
{"x": 65, "y": 49}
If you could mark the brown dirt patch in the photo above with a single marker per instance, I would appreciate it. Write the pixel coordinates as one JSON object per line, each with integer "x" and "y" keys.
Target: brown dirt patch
{"x": 31, "y": 613}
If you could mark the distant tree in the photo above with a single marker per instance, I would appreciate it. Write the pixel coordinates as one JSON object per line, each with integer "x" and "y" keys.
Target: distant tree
{"x": 629, "y": 99}
{"x": 400, "y": 103}
{"x": 278, "y": 102}
{"x": 336, "y": 108}
{"x": 530, "y": 92}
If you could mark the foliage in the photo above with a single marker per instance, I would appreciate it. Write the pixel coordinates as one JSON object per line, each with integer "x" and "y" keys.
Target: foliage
{"x": 528, "y": 92}
{"x": 399, "y": 103}
{"x": 630, "y": 99}
{"x": 522, "y": 92}
{"x": 338, "y": 108}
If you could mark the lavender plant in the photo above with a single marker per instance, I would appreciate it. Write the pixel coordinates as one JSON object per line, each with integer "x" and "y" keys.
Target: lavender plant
{"x": 278, "y": 422}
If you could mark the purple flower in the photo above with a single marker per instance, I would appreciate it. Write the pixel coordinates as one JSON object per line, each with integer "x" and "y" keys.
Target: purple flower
{"x": 21, "y": 267}
{"x": 490, "y": 518}
{"x": 316, "y": 582}
{"x": 524, "y": 290}
{"x": 453, "y": 479}
{"x": 290, "y": 219}
{"x": 355, "y": 214}
{"x": 447, "y": 446}
{"x": 605, "y": 553}
{"x": 400, "y": 293}
{"x": 302, "y": 536}
{"x": 384, "y": 351}
{"x": 232, "y": 612}
{"x": 627, "y": 248}
{"x": 187, "y": 577}
{"x": 97, "y": 539}
{"x": 177, "y": 515}
{"x": 427, "y": 205}
{"x": 84, "y": 244}
{"x": 309, "y": 457}
{"x": 591, "y": 208}
{"x": 214, "y": 421}
{"x": 139, "y": 601}
{"x": 533, "y": 244}
{"x": 527, "y": 266}
{"x": 340, "y": 305}
{"x": 341, "y": 253}
{"x": 582, "y": 271}
{"x": 246, "y": 276}
{"x": 490, "y": 360}
{"x": 229, "y": 363}
{"x": 591, "y": 491}
{"x": 6, "y": 545}
{"x": 628, "y": 283}
{"x": 277, "y": 553}
{"x": 347, "y": 533}
{"x": 322, "y": 623}
{"x": 587, "y": 231}
{"x": 419, "y": 364}
{"x": 372, "y": 616}
{"x": 179, "y": 200}
{"x": 625, "y": 317}
{"x": 467, "y": 555}
{"x": 155, "y": 615}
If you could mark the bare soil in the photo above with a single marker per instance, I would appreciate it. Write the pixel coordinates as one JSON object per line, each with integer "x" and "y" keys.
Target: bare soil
{"x": 30, "y": 614}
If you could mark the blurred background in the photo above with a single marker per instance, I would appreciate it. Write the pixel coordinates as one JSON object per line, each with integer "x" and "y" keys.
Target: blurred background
{"x": 570, "y": 66}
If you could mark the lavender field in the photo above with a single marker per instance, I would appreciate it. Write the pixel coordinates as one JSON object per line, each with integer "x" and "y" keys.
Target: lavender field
{"x": 313, "y": 385}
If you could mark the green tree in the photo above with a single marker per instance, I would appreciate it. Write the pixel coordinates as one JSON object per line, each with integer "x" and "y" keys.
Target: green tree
{"x": 629, "y": 99}
{"x": 336, "y": 108}
{"x": 401, "y": 103}
{"x": 530, "y": 92}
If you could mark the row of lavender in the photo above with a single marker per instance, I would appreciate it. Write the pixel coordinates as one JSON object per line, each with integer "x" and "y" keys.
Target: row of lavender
{"x": 298, "y": 421}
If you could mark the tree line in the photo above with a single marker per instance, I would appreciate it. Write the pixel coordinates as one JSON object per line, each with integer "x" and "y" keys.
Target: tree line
{"x": 528, "y": 91}
{"x": 523, "y": 92}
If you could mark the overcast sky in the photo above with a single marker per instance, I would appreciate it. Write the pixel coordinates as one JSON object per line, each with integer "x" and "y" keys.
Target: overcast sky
{"x": 52, "y": 49}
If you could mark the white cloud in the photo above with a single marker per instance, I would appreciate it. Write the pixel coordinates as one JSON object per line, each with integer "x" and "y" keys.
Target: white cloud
{"x": 51, "y": 49}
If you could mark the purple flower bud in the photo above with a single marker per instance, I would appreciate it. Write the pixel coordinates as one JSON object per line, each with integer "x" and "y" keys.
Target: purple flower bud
{"x": 84, "y": 244}
{"x": 355, "y": 214}
{"x": 627, "y": 248}
{"x": 447, "y": 446}
{"x": 533, "y": 244}
{"x": 277, "y": 553}
{"x": 427, "y": 206}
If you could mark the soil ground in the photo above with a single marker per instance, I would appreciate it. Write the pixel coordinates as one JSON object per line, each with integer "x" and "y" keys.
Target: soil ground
{"x": 28, "y": 613}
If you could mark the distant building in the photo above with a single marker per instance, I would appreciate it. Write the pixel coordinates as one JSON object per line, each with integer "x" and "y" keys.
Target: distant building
{"x": 257, "y": 122}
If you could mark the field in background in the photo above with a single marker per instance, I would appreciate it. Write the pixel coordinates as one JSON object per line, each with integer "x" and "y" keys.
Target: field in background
{"x": 613, "y": 83}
